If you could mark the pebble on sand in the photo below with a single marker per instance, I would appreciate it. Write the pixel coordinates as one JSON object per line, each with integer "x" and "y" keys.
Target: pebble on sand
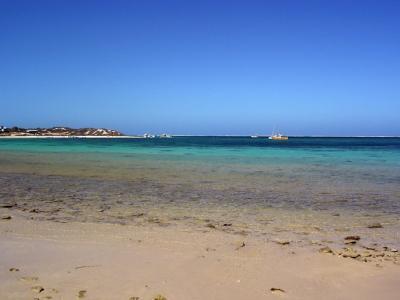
{"x": 351, "y": 253}
{"x": 282, "y": 242}
{"x": 29, "y": 278}
{"x": 160, "y": 297}
{"x": 6, "y": 217}
{"x": 352, "y": 238}
{"x": 326, "y": 250}
{"x": 82, "y": 294}
{"x": 240, "y": 245}
{"x": 375, "y": 225}
{"x": 350, "y": 242}
{"x": 14, "y": 270}
{"x": 277, "y": 290}
{"x": 37, "y": 289}
{"x": 134, "y": 298}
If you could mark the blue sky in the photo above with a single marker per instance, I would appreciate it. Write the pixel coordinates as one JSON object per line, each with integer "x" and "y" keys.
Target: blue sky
{"x": 202, "y": 67}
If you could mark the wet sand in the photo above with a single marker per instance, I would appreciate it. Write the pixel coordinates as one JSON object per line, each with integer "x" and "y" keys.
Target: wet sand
{"x": 110, "y": 261}
{"x": 153, "y": 202}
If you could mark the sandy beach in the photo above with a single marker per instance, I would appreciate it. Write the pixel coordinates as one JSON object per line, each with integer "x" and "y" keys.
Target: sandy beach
{"x": 50, "y": 260}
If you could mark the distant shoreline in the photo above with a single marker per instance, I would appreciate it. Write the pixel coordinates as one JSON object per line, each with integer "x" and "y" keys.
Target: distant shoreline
{"x": 178, "y": 135}
{"x": 71, "y": 137}
{"x": 292, "y": 136}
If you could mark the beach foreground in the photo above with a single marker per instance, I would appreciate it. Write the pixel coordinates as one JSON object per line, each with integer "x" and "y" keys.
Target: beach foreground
{"x": 110, "y": 261}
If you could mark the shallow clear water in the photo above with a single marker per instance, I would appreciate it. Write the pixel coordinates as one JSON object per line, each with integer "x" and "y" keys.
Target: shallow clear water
{"x": 312, "y": 187}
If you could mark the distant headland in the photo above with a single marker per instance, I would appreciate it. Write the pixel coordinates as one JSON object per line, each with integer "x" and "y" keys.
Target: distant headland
{"x": 58, "y": 132}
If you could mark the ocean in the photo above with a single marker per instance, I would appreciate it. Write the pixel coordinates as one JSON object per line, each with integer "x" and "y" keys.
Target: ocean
{"x": 301, "y": 189}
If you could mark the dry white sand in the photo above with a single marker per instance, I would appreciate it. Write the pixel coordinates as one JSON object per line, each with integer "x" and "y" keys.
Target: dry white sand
{"x": 119, "y": 262}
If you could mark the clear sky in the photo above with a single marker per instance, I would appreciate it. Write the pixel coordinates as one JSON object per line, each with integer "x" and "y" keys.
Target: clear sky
{"x": 202, "y": 67}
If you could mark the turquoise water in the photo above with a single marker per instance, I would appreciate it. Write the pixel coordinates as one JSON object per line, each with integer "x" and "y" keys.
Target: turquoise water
{"x": 236, "y": 150}
{"x": 259, "y": 185}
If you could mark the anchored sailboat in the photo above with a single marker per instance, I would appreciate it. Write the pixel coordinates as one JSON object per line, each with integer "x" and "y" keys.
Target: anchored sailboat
{"x": 277, "y": 136}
